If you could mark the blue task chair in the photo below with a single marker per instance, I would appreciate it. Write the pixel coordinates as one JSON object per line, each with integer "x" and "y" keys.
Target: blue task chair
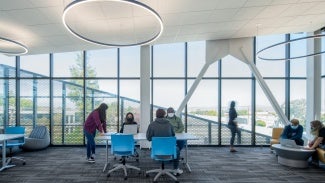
{"x": 122, "y": 145}
{"x": 18, "y": 142}
{"x": 163, "y": 149}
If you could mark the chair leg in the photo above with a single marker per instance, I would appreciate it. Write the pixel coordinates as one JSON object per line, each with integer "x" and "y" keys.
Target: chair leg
{"x": 171, "y": 175}
{"x": 117, "y": 166}
{"x": 124, "y": 167}
{"x": 19, "y": 159}
{"x": 132, "y": 167}
{"x": 153, "y": 171}
{"x": 162, "y": 171}
{"x": 11, "y": 157}
{"x": 165, "y": 172}
{"x": 158, "y": 175}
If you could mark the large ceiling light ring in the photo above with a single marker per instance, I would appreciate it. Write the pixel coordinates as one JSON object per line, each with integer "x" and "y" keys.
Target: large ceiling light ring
{"x": 11, "y": 47}
{"x": 133, "y": 3}
{"x": 288, "y": 42}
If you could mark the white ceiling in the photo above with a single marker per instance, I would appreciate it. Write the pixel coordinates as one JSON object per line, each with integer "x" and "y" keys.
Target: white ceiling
{"x": 38, "y": 23}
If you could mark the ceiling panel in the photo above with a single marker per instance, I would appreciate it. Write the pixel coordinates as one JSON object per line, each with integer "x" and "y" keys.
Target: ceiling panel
{"x": 38, "y": 23}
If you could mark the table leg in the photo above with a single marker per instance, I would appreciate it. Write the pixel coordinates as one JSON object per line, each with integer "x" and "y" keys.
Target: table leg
{"x": 186, "y": 161}
{"x": 4, "y": 159}
{"x": 107, "y": 163}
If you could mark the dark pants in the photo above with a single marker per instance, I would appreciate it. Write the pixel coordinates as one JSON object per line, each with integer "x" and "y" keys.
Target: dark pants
{"x": 234, "y": 129}
{"x": 176, "y": 161}
{"x": 180, "y": 144}
{"x": 90, "y": 143}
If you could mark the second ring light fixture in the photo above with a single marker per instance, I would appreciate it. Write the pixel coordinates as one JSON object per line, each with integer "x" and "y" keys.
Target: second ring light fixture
{"x": 113, "y": 23}
{"x": 259, "y": 53}
{"x": 11, "y": 47}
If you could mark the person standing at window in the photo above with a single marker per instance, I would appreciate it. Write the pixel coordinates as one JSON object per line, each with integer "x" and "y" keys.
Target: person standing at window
{"x": 96, "y": 120}
{"x": 233, "y": 126}
{"x": 177, "y": 124}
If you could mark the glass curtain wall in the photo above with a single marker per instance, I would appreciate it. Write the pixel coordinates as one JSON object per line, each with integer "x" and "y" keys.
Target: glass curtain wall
{"x": 323, "y": 82}
{"x": 274, "y": 74}
{"x": 60, "y": 90}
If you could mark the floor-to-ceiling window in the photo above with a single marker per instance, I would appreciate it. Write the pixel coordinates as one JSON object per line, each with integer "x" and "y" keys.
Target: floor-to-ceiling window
{"x": 273, "y": 73}
{"x": 129, "y": 87}
{"x": 7, "y": 90}
{"x": 323, "y": 81}
{"x": 67, "y": 111}
{"x": 298, "y": 80}
{"x": 75, "y": 83}
{"x": 34, "y": 91}
{"x": 236, "y": 86}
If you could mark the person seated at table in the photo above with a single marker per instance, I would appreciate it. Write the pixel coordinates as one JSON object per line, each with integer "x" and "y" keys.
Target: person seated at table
{"x": 317, "y": 129}
{"x": 293, "y": 132}
{"x": 177, "y": 124}
{"x": 161, "y": 127}
{"x": 129, "y": 120}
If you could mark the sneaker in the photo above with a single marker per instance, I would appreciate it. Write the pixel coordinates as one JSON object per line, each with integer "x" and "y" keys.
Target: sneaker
{"x": 233, "y": 150}
{"x": 178, "y": 171}
{"x": 121, "y": 160}
{"x": 93, "y": 156}
{"x": 91, "y": 160}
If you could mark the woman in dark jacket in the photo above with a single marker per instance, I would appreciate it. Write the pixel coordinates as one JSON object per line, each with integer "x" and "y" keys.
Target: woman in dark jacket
{"x": 129, "y": 120}
{"x": 233, "y": 126}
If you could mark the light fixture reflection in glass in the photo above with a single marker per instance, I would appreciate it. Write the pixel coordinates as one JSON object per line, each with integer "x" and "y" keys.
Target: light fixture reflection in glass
{"x": 10, "y": 47}
{"x": 115, "y": 23}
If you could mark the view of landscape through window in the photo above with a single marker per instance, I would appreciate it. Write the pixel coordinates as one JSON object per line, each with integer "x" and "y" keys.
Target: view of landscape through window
{"x": 62, "y": 92}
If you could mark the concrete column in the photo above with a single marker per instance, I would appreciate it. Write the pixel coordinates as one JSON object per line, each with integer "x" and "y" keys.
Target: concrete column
{"x": 144, "y": 91}
{"x": 314, "y": 88}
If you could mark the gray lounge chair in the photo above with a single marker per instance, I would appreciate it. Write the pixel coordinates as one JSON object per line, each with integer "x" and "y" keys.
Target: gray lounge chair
{"x": 38, "y": 139}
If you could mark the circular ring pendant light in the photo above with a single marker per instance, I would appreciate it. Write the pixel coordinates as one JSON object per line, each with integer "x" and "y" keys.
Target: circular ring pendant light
{"x": 115, "y": 23}
{"x": 288, "y": 42}
{"x": 10, "y": 47}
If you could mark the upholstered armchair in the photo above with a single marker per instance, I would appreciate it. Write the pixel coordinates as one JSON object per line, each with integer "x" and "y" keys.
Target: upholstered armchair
{"x": 276, "y": 133}
{"x": 38, "y": 139}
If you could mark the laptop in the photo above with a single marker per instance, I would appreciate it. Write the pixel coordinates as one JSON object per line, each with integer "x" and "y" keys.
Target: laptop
{"x": 290, "y": 143}
{"x": 130, "y": 129}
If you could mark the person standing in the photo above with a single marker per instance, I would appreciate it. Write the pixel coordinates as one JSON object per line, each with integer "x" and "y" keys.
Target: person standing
{"x": 161, "y": 127}
{"x": 177, "y": 124}
{"x": 233, "y": 126}
{"x": 294, "y": 132}
{"x": 96, "y": 120}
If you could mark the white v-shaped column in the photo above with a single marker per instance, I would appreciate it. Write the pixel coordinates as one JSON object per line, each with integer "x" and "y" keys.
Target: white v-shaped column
{"x": 242, "y": 49}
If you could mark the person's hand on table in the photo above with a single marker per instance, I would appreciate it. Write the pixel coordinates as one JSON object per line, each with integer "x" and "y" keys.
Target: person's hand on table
{"x": 102, "y": 134}
{"x": 308, "y": 148}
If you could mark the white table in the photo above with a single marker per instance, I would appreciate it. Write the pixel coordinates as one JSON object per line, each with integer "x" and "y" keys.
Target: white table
{"x": 142, "y": 136}
{"x": 292, "y": 157}
{"x": 3, "y": 140}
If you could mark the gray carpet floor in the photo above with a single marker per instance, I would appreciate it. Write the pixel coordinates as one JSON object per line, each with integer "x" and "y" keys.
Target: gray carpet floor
{"x": 208, "y": 164}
